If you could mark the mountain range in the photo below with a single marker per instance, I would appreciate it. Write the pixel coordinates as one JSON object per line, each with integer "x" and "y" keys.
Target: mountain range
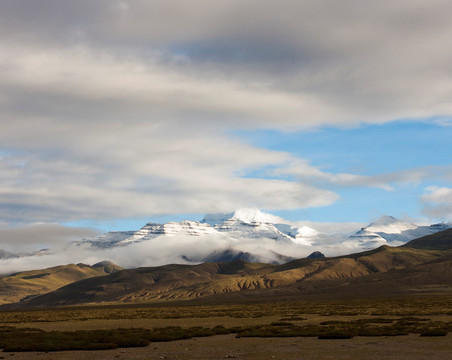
{"x": 422, "y": 265}
{"x": 242, "y": 234}
{"x": 247, "y": 234}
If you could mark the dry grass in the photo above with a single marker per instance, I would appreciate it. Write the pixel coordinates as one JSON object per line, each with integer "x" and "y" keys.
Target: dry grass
{"x": 323, "y": 319}
{"x": 407, "y": 306}
{"x": 26, "y": 284}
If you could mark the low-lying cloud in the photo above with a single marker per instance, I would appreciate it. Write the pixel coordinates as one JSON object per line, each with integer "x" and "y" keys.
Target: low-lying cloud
{"x": 180, "y": 249}
{"x": 41, "y": 236}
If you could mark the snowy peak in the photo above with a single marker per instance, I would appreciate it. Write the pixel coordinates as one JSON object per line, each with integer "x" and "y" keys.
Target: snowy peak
{"x": 250, "y": 224}
{"x": 390, "y": 225}
{"x": 246, "y": 215}
{"x": 151, "y": 231}
{"x": 254, "y": 216}
{"x": 242, "y": 224}
{"x": 386, "y": 219}
{"x": 193, "y": 228}
{"x": 237, "y": 229}
{"x": 306, "y": 232}
{"x": 389, "y": 229}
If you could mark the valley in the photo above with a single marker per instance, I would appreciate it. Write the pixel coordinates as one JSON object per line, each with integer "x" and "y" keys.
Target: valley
{"x": 381, "y": 301}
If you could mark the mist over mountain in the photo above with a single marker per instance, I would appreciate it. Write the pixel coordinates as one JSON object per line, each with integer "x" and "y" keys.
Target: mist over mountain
{"x": 6, "y": 255}
{"x": 247, "y": 234}
{"x": 420, "y": 266}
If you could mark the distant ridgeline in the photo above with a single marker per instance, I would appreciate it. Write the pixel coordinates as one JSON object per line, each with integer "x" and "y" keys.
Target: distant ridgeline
{"x": 422, "y": 266}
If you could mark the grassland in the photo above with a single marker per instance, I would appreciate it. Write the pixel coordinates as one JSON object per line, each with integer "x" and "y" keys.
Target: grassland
{"x": 109, "y": 327}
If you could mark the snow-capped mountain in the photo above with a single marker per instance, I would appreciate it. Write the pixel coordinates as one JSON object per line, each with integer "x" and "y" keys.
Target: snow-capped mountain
{"x": 246, "y": 234}
{"x": 303, "y": 235}
{"x": 151, "y": 231}
{"x": 248, "y": 223}
{"x": 246, "y": 215}
{"x": 253, "y": 234}
{"x": 253, "y": 223}
{"x": 392, "y": 231}
{"x": 243, "y": 224}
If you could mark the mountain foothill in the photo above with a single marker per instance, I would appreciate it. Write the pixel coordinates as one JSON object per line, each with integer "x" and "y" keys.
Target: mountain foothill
{"x": 423, "y": 265}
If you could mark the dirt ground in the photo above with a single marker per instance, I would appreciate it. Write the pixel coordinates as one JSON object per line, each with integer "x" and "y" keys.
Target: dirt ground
{"x": 411, "y": 347}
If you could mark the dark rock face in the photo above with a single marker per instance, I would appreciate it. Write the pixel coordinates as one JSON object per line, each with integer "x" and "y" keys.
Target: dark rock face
{"x": 224, "y": 256}
{"x": 316, "y": 255}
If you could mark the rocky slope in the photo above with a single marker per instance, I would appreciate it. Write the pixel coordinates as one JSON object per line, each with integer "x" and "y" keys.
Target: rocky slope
{"x": 386, "y": 269}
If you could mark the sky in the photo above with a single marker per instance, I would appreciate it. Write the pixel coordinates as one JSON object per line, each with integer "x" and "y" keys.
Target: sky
{"x": 116, "y": 113}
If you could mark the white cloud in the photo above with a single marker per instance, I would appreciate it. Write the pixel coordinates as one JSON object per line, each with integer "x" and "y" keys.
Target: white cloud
{"x": 121, "y": 108}
{"x": 438, "y": 203}
{"x": 289, "y": 64}
{"x": 100, "y": 137}
{"x": 169, "y": 250}
{"x": 111, "y": 173}
{"x": 40, "y": 236}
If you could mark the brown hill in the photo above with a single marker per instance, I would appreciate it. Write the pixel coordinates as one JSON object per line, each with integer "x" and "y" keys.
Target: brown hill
{"x": 431, "y": 277}
{"x": 28, "y": 284}
{"x": 439, "y": 241}
{"x": 422, "y": 265}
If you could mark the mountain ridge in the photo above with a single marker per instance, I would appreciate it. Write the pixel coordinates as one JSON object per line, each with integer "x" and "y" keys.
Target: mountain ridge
{"x": 244, "y": 231}
{"x": 27, "y": 284}
{"x": 390, "y": 230}
{"x": 360, "y": 273}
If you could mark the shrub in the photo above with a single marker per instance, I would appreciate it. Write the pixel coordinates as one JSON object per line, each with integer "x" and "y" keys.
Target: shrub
{"x": 335, "y": 335}
{"x": 434, "y": 332}
{"x": 281, "y": 323}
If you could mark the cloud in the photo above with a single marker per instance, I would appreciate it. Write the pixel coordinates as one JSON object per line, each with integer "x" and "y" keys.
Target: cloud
{"x": 438, "y": 202}
{"x": 301, "y": 170}
{"x": 288, "y": 64}
{"x": 96, "y": 137}
{"x": 38, "y": 236}
{"x": 124, "y": 108}
{"x": 168, "y": 250}
{"x": 126, "y": 171}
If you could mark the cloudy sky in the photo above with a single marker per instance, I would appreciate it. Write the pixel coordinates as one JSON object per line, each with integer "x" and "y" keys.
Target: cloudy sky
{"x": 114, "y": 113}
